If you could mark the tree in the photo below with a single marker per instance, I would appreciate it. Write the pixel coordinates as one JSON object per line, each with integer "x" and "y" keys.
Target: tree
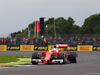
{"x": 49, "y": 21}
{"x": 91, "y": 23}
{"x": 61, "y": 25}
{"x": 96, "y": 29}
{"x": 76, "y": 29}
{"x": 69, "y": 26}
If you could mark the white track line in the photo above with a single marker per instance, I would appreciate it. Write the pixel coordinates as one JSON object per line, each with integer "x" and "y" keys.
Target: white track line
{"x": 24, "y": 65}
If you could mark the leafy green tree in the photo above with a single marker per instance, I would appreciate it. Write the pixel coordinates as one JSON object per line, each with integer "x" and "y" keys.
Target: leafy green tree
{"x": 91, "y": 23}
{"x": 49, "y": 21}
{"x": 69, "y": 26}
{"x": 76, "y": 29}
{"x": 96, "y": 29}
{"x": 61, "y": 25}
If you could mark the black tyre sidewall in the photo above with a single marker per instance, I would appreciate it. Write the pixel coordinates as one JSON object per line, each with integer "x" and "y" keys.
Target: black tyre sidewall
{"x": 72, "y": 57}
{"x": 34, "y": 56}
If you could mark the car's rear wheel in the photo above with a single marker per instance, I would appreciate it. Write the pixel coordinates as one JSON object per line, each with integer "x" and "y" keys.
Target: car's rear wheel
{"x": 73, "y": 57}
{"x": 34, "y": 56}
{"x": 63, "y": 56}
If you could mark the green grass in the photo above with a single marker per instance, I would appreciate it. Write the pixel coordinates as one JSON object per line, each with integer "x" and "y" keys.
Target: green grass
{"x": 6, "y": 58}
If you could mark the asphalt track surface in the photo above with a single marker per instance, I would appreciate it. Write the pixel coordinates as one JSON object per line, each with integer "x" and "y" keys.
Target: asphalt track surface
{"x": 88, "y": 64}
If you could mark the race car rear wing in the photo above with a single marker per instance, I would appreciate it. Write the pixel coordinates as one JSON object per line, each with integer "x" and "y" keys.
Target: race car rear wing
{"x": 63, "y": 46}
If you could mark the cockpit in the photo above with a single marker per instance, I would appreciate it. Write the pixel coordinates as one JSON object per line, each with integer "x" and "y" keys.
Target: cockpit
{"x": 54, "y": 50}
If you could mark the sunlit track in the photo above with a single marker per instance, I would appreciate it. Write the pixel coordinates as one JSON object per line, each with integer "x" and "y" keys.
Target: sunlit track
{"x": 5, "y": 67}
{"x": 88, "y": 63}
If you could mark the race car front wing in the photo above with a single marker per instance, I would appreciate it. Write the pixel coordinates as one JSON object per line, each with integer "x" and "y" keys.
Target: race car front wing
{"x": 53, "y": 61}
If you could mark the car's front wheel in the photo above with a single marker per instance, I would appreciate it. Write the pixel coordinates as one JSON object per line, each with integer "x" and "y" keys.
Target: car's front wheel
{"x": 34, "y": 56}
{"x": 63, "y": 56}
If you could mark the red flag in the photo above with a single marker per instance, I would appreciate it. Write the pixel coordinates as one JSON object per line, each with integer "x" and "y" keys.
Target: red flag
{"x": 35, "y": 26}
{"x": 39, "y": 27}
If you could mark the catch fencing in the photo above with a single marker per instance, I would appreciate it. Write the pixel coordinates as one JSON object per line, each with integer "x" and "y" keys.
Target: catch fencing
{"x": 71, "y": 39}
{"x": 77, "y": 42}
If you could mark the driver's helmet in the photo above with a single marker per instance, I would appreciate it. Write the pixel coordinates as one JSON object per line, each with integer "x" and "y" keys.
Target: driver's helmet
{"x": 55, "y": 46}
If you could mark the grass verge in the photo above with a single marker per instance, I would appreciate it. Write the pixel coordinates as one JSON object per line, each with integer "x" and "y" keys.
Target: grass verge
{"x": 7, "y": 59}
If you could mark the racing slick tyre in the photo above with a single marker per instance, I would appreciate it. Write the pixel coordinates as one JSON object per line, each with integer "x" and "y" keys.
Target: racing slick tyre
{"x": 63, "y": 56}
{"x": 72, "y": 57}
{"x": 34, "y": 56}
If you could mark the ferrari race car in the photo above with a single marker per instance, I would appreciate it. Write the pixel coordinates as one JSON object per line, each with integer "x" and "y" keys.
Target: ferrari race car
{"x": 54, "y": 56}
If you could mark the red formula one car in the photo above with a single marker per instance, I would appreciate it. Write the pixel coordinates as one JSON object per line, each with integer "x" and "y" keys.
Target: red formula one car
{"x": 54, "y": 56}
